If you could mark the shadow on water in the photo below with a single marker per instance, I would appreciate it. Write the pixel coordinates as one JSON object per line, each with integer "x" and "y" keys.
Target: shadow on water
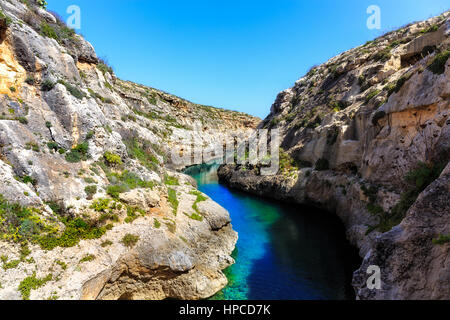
{"x": 285, "y": 251}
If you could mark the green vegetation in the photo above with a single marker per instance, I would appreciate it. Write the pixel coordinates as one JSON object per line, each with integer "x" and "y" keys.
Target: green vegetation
{"x": 18, "y": 223}
{"x": 156, "y": 223}
{"x": 98, "y": 96}
{"x": 288, "y": 164}
{"x": 383, "y": 55}
{"x": 104, "y": 67}
{"x": 62, "y": 264}
{"x": 5, "y": 18}
{"x": 73, "y": 90}
{"x": 371, "y": 95}
{"x": 112, "y": 159}
{"x": 106, "y": 243}
{"x": 418, "y": 179}
{"x": 9, "y": 265}
{"x": 171, "y": 181}
{"x": 132, "y": 214}
{"x": 47, "y": 85}
{"x": 437, "y": 66}
{"x": 100, "y": 205}
{"x": 90, "y": 191}
{"x": 322, "y": 165}
{"x": 173, "y": 200}
{"x": 130, "y": 240}
{"x": 32, "y": 283}
{"x": 124, "y": 182}
{"x": 22, "y": 120}
{"x": 48, "y": 31}
{"x": 143, "y": 152}
{"x": 75, "y": 230}
{"x": 442, "y": 239}
{"x": 87, "y": 258}
{"x": 79, "y": 153}
{"x": 395, "y": 87}
{"x": 433, "y": 28}
{"x": 200, "y": 198}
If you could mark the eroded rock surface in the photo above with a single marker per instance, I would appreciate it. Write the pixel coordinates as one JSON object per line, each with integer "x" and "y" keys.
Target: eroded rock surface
{"x": 365, "y": 135}
{"x": 89, "y": 206}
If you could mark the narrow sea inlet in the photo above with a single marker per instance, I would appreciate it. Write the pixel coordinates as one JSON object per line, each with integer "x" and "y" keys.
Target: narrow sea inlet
{"x": 285, "y": 251}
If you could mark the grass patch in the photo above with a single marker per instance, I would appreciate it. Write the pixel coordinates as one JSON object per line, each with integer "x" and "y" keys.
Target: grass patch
{"x": 143, "y": 152}
{"x": 171, "y": 181}
{"x": 112, "y": 159}
{"x": 130, "y": 240}
{"x": 32, "y": 283}
{"x": 87, "y": 258}
{"x": 72, "y": 90}
{"x": 418, "y": 179}
{"x": 437, "y": 66}
{"x": 173, "y": 200}
{"x": 442, "y": 239}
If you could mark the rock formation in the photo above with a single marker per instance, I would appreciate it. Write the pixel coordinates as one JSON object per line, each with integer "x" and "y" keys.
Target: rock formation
{"x": 366, "y": 135}
{"x": 88, "y": 208}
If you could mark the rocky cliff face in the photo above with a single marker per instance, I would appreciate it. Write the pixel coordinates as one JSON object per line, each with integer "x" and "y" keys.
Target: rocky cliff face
{"x": 89, "y": 208}
{"x": 366, "y": 135}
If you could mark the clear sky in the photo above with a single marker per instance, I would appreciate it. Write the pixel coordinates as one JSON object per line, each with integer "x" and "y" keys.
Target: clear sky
{"x": 235, "y": 54}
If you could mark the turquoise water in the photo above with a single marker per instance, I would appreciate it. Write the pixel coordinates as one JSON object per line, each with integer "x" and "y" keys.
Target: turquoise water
{"x": 284, "y": 251}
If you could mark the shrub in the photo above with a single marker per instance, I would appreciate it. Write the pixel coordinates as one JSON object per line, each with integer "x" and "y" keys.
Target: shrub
{"x": 30, "y": 81}
{"x": 79, "y": 153}
{"x": 130, "y": 240}
{"x": 115, "y": 190}
{"x": 53, "y": 146}
{"x": 104, "y": 67}
{"x": 47, "y": 85}
{"x": 383, "y": 55}
{"x": 32, "y": 283}
{"x": 106, "y": 243}
{"x": 5, "y": 18}
{"x": 22, "y": 120}
{"x": 75, "y": 230}
{"x": 100, "y": 205}
{"x": 322, "y": 165}
{"x": 437, "y": 66}
{"x": 442, "y": 239}
{"x": 73, "y": 90}
{"x": 112, "y": 159}
{"x": 87, "y": 258}
{"x": 48, "y": 31}
{"x": 91, "y": 190}
{"x": 430, "y": 29}
{"x": 173, "y": 200}
{"x": 143, "y": 152}
{"x": 171, "y": 181}
{"x": 371, "y": 95}
{"x": 156, "y": 223}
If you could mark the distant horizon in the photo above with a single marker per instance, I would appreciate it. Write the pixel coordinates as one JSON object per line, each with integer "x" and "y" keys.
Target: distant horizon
{"x": 234, "y": 56}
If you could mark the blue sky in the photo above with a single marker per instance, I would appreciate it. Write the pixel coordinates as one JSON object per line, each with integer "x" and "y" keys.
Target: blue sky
{"x": 235, "y": 54}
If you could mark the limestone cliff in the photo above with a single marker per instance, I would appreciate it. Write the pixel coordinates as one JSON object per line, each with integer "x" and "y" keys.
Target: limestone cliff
{"x": 366, "y": 135}
{"x": 89, "y": 208}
